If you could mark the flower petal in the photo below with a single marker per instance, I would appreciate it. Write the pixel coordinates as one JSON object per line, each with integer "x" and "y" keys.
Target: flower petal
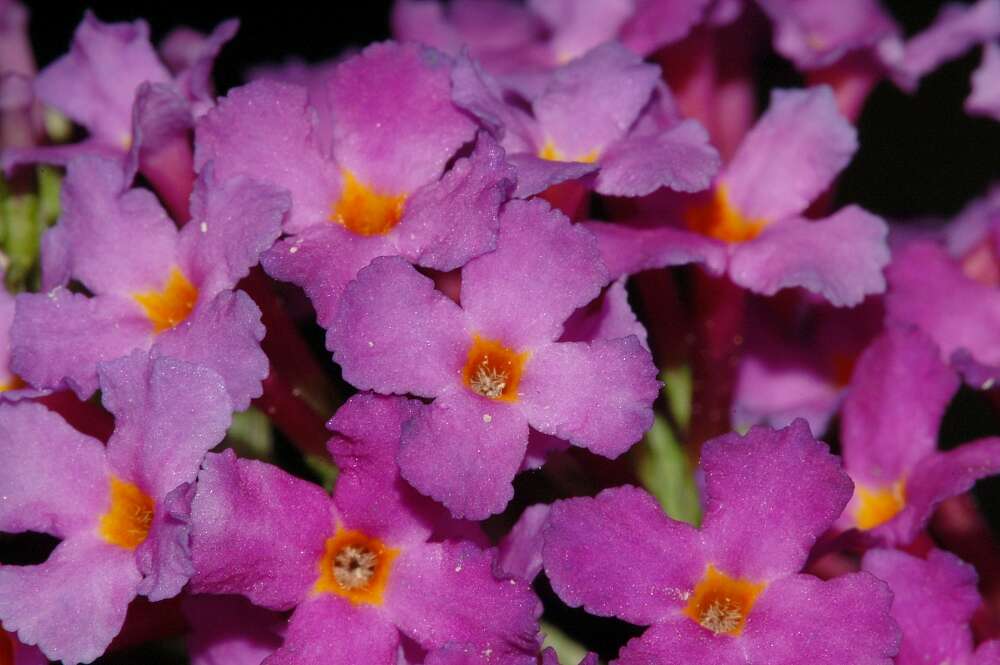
{"x": 329, "y": 629}
{"x": 618, "y": 554}
{"x": 242, "y": 539}
{"x": 769, "y": 496}
{"x": 464, "y": 450}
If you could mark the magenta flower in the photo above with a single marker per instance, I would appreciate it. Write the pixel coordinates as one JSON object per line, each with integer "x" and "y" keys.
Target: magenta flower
{"x": 361, "y": 571}
{"x": 153, "y": 286}
{"x": 889, "y": 430}
{"x": 985, "y": 96}
{"x": 121, "y": 512}
{"x": 605, "y": 112}
{"x": 751, "y": 227}
{"x": 731, "y": 591}
{"x": 933, "y": 601}
{"x": 113, "y": 84}
{"x": 929, "y": 289}
{"x": 12, "y": 387}
{"x": 494, "y": 365}
{"x": 379, "y": 187}
{"x": 511, "y": 38}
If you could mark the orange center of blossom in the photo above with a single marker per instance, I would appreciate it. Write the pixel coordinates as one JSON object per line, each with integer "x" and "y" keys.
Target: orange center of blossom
{"x": 166, "y": 308}
{"x": 551, "y": 153}
{"x": 365, "y": 211}
{"x": 492, "y": 370}
{"x": 127, "y": 522}
{"x": 13, "y": 383}
{"x": 878, "y": 506}
{"x": 718, "y": 218}
{"x": 355, "y": 566}
{"x": 722, "y": 604}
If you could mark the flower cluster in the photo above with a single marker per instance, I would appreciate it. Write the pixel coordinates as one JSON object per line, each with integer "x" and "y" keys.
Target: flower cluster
{"x": 396, "y": 358}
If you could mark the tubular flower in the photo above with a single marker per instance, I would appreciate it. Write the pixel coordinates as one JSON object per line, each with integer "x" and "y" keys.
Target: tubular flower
{"x": 121, "y": 512}
{"x": 153, "y": 287}
{"x": 750, "y": 226}
{"x": 380, "y": 186}
{"x": 889, "y": 431}
{"x": 494, "y": 365}
{"x": 604, "y": 113}
{"x": 731, "y": 591}
{"x": 361, "y": 571}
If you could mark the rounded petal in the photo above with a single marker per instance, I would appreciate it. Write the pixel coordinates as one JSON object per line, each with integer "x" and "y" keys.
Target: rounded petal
{"x": 679, "y": 158}
{"x": 790, "y": 156}
{"x": 395, "y": 126}
{"x": 517, "y": 293}
{"x": 164, "y": 558}
{"x": 242, "y": 538}
{"x": 681, "y": 640}
{"x": 264, "y": 130}
{"x": 369, "y": 494}
{"x": 455, "y": 219}
{"x": 395, "y": 333}
{"x": 447, "y": 592}
{"x": 627, "y": 250}
{"x": 72, "y": 605}
{"x": 892, "y": 414}
{"x": 232, "y": 223}
{"x": 656, "y": 23}
{"x": 535, "y": 175}
{"x": 933, "y": 601}
{"x": 769, "y": 495}
{"x": 598, "y": 395}
{"x": 329, "y": 629}
{"x": 224, "y": 335}
{"x": 840, "y": 257}
{"x": 54, "y": 479}
{"x": 228, "y": 630}
{"x": 464, "y": 450}
{"x": 843, "y": 620}
{"x": 116, "y": 240}
{"x": 62, "y": 335}
{"x": 168, "y": 414}
{"x": 618, "y": 554}
{"x": 520, "y": 551}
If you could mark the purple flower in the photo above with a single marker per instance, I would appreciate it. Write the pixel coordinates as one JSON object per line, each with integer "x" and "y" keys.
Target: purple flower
{"x": 731, "y": 591}
{"x": 889, "y": 430}
{"x": 796, "y": 359}
{"x": 817, "y": 33}
{"x": 985, "y": 96}
{"x": 933, "y": 601}
{"x": 956, "y": 29}
{"x": 929, "y": 289}
{"x": 121, "y": 512}
{"x": 113, "y": 84}
{"x": 361, "y": 571}
{"x": 153, "y": 286}
{"x": 493, "y": 365}
{"x": 509, "y": 38}
{"x": 380, "y": 188}
{"x": 606, "y": 113}
{"x": 751, "y": 225}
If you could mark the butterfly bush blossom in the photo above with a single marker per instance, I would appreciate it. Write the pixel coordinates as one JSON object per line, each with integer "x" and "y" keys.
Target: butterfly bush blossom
{"x": 422, "y": 353}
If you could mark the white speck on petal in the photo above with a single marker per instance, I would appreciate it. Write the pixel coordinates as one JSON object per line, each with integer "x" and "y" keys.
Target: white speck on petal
{"x": 487, "y": 418}
{"x": 204, "y": 227}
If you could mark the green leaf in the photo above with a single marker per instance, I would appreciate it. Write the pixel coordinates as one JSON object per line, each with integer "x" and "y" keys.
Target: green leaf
{"x": 664, "y": 470}
{"x": 677, "y": 388}
{"x": 569, "y": 651}
{"x": 251, "y": 434}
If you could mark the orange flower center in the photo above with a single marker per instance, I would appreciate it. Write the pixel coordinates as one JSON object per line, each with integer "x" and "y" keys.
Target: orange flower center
{"x": 13, "y": 383}
{"x": 722, "y": 604}
{"x": 718, "y": 218}
{"x": 127, "y": 521}
{"x": 493, "y": 370}
{"x": 355, "y": 567}
{"x": 876, "y": 506}
{"x": 365, "y": 211}
{"x": 551, "y": 153}
{"x": 169, "y": 307}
